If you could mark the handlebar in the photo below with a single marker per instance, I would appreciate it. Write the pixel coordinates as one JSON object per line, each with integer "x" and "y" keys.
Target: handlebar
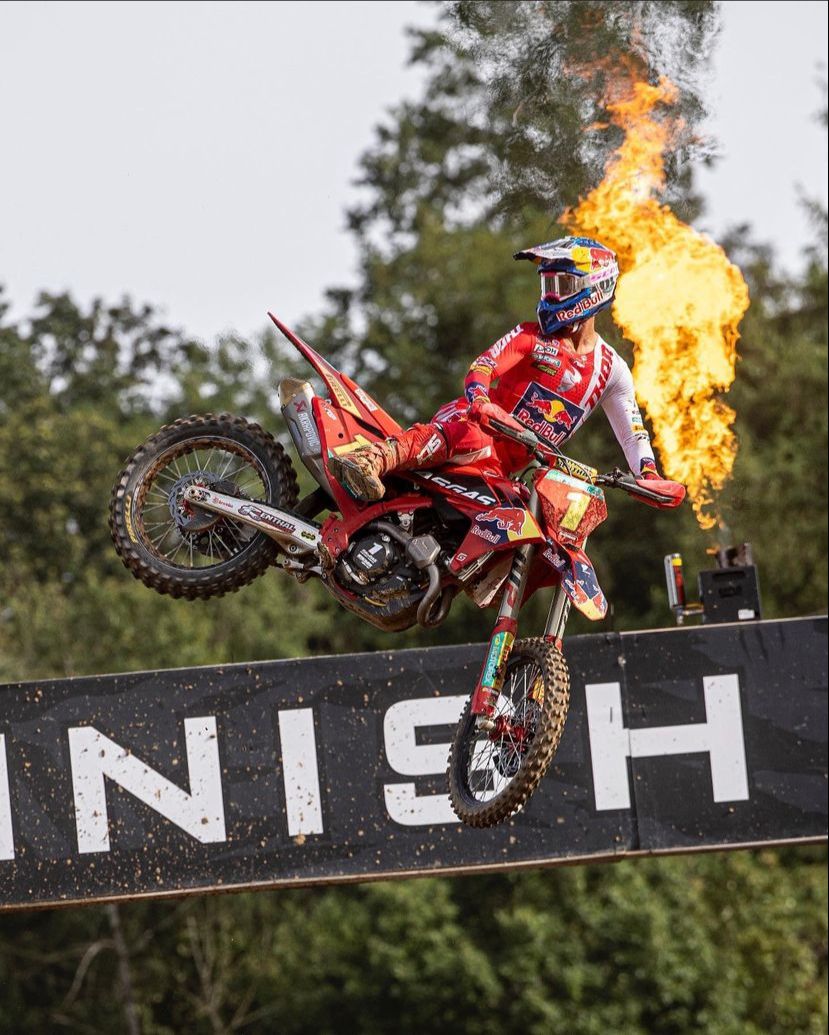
{"x": 544, "y": 453}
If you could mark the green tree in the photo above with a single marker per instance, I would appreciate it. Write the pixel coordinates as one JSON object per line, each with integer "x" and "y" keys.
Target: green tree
{"x": 454, "y": 183}
{"x": 512, "y": 128}
{"x": 725, "y": 945}
{"x": 79, "y": 388}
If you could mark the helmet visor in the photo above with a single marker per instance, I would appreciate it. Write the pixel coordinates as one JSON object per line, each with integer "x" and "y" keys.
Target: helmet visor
{"x": 559, "y": 286}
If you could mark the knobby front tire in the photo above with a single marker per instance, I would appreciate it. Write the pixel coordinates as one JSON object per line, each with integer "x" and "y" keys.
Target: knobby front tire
{"x": 232, "y": 451}
{"x": 492, "y": 775}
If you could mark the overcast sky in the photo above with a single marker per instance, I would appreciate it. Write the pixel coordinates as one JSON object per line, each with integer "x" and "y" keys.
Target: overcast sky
{"x": 200, "y": 156}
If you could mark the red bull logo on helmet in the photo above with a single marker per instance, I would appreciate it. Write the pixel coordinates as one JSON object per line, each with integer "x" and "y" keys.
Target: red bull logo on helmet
{"x": 549, "y": 415}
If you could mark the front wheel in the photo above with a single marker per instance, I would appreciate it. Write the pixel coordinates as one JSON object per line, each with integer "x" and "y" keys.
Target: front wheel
{"x": 176, "y": 548}
{"x": 492, "y": 773}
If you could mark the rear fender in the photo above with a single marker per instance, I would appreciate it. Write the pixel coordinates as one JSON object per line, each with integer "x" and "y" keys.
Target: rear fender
{"x": 578, "y": 578}
{"x": 346, "y": 395}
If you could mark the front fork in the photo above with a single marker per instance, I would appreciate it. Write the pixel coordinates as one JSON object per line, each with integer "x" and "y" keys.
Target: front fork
{"x": 494, "y": 668}
{"x": 557, "y": 617}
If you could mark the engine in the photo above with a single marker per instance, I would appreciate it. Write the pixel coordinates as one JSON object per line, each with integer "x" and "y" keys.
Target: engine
{"x": 375, "y": 566}
{"x": 391, "y": 578}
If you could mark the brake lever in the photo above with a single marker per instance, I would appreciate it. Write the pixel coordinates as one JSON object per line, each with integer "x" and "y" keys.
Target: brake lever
{"x": 612, "y": 479}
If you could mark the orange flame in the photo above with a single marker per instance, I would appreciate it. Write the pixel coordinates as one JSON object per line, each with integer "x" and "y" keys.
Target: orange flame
{"x": 679, "y": 301}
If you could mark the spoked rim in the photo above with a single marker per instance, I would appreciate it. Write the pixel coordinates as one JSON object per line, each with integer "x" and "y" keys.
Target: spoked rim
{"x": 177, "y": 533}
{"x": 494, "y": 758}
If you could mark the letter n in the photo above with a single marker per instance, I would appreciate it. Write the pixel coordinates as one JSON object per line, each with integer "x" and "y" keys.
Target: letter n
{"x": 95, "y": 757}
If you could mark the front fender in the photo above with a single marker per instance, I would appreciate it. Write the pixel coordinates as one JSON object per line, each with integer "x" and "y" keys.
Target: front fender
{"x": 578, "y": 578}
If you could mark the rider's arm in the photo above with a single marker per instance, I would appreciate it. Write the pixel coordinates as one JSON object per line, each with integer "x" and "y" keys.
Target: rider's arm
{"x": 497, "y": 360}
{"x": 620, "y": 406}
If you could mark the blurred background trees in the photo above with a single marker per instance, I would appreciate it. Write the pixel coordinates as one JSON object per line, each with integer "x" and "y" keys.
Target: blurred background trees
{"x": 483, "y": 163}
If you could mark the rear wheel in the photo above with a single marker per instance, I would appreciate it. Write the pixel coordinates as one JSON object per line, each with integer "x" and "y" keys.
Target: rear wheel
{"x": 176, "y": 548}
{"x": 492, "y": 773}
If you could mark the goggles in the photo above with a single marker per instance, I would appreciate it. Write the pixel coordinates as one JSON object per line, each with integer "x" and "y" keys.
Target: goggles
{"x": 562, "y": 285}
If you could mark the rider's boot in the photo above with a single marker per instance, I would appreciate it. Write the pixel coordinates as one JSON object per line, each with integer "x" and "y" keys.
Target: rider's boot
{"x": 360, "y": 470}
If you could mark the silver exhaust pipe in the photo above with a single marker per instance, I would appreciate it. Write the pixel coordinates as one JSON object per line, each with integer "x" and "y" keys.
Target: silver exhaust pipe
{"x": 295, "y": 399}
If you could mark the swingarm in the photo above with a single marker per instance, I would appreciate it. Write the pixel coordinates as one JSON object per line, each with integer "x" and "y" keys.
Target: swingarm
{"x": 296, "y": 537}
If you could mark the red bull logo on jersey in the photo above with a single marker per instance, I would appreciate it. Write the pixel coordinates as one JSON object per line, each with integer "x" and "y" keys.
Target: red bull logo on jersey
{"x": 549, "y": 415}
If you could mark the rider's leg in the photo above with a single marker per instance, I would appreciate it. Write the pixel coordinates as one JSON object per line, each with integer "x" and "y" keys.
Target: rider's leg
{"x": 360, "y": 471}
{"x": 449, "y": 437}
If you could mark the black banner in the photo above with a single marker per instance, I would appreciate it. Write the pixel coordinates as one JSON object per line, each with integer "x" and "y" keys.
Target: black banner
{"x": 332, "y": 769}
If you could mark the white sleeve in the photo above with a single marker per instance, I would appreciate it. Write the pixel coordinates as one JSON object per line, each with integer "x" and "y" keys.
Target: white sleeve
{"x": 621, "y": 409}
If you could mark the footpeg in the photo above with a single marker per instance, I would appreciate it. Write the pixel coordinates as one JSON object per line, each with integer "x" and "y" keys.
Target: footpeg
{"x": 484, "y": 724}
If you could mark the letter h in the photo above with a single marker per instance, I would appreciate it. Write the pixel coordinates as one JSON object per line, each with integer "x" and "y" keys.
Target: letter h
{"x": 721, "y": 737}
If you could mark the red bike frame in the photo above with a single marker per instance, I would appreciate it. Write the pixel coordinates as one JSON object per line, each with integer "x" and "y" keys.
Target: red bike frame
{"x": 545, "y": 527}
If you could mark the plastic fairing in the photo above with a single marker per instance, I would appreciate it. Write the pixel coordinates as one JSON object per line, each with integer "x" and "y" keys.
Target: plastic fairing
{"x": 345, "y": 394}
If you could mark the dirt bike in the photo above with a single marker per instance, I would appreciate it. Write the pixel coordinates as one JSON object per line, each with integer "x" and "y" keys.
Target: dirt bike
{"x": 209, "y": 503}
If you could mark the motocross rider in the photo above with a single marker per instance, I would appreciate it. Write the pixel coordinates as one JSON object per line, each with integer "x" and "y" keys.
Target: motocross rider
{"x": 548, "y": 376}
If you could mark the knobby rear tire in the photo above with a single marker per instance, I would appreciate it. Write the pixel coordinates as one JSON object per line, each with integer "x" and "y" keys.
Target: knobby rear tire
{"x": 551, "y": 719}
{"x": 134, "y": 549}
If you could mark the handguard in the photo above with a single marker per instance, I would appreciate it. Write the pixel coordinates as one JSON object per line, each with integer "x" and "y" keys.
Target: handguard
{"x": 656, "y": 492}
{"x": 660, "y": 493}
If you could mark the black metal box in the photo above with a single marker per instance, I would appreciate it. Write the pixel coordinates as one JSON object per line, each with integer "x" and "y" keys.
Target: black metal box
{"x": 730, "y": 594}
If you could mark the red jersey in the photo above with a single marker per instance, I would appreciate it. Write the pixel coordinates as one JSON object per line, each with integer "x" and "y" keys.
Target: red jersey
{"x": 545, "y": 385}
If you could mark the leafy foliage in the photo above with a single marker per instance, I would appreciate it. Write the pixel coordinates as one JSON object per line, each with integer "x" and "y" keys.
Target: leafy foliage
{"x": 727, "y": 945}
{"x": 453, "y": 184}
